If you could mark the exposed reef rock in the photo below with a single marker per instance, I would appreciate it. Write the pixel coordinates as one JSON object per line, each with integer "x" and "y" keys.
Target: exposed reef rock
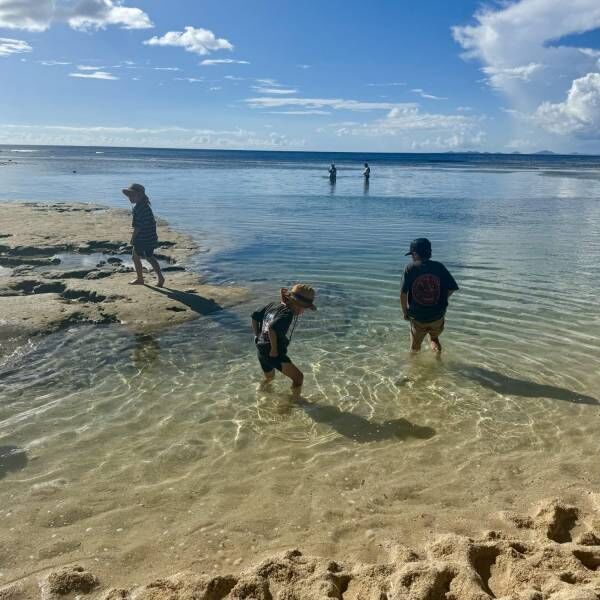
{"x": 39, "y": 295}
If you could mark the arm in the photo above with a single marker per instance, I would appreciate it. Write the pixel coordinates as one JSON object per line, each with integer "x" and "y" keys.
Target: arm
{"x": 404, "y": 304}
{"x": 255, "y": 327}
{"x": 273, "y": 339}
{"x": 450, "y": 282}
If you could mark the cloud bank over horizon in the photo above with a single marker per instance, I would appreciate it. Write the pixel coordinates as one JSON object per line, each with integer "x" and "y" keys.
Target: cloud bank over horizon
{"x": 518, "y": 75}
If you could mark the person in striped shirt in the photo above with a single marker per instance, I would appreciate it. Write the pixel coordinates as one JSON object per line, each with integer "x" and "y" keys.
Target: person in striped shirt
{"x": 144, "y": 239}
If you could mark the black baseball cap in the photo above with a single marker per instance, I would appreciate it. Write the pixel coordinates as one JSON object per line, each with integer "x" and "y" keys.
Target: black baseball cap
{"x": 420, "y": 246}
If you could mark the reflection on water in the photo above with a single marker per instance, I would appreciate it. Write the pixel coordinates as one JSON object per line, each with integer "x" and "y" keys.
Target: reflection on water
{"x": 158, "y": 453}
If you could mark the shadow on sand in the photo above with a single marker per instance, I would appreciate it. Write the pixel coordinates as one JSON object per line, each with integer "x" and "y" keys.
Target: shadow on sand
{"x": 197, "y": 303}
{"x": 359, "y": 429}
{"x": 503, "y": 384}
{"x": 12, "y": 458}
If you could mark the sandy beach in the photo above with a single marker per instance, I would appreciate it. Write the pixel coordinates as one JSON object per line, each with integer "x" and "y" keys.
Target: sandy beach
{"x": 551, "y": 554}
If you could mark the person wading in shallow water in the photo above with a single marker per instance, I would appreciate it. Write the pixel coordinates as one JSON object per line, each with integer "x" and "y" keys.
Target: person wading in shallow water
{"x": 426, "y": 287}
{"x": 332, "y": 173}
{"x": 367, "y": 172}
{"x": 270, "y": 325}
{"x": 144, "y": 239}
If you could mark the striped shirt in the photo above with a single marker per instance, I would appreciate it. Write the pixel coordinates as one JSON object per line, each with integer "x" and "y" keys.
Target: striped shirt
{"x": 144, "y": 222}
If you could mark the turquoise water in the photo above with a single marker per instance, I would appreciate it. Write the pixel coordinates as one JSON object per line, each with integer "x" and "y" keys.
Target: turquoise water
{"x": 170, "y": 439}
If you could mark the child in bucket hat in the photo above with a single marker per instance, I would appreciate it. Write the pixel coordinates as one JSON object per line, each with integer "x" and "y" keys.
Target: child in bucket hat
{"x": 144, "y": 239}
{"x": 271, "y": 324}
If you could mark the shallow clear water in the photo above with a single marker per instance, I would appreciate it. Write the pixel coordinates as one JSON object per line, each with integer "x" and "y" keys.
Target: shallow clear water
{"x": 149, "y": 454}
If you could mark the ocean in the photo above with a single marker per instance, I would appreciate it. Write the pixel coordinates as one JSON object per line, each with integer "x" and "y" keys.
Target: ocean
{"x": 156, "y": 453}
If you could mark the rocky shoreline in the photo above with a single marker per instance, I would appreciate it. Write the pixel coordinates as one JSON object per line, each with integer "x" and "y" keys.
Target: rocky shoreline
{"x": 40, "y": 294}
{"x": 555, "y": 555}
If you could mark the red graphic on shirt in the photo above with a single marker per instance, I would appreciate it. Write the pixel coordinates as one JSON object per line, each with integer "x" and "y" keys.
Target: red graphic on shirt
{"x": 426, "y": 290}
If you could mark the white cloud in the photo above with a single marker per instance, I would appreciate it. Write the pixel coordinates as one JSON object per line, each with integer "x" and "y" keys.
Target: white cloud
{"x": 282, "y": 91}
{"x": 464, "y": 109}
{"x": 222, "y": 61}
{"x": 166, "y": 68}
{"x": 391, "y": 84}
{"x": 189, "y": 79}
{"x": 299, "y": 112}
{"x": 303, "y": 66}
{"x": 89, "y": 68}
{"x": 39, "y": 15}
{"x": 215, "y": 88}
{"x": 165, "y": 137}
{"x": 417, "y": 130}
{"x": 499, "y": 76}
{"x": 425, "y": 95}
{"x": 200, "y": 41}
{"x": 270, "y": 82}
{"x": 9, "y": 46}
{"x": 519, "y": 46}
{"x": 94, "y": 75}
{"x": 234, "y": 78}
{"x": 406, "y": 118}
{"x": 579, "y": 114}
{"x": 53, "y": 63}
{"x": 318, "y": 103}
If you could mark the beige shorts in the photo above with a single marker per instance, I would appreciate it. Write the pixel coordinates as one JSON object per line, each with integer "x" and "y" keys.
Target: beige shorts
{"x": 419, "y": 330}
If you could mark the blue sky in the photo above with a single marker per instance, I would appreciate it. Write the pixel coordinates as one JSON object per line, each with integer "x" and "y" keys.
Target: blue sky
{"x": 389, "y": 75}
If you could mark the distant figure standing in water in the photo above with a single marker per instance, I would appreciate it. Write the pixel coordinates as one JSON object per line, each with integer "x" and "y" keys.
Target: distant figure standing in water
{"x": 332, "y": 173}
{"x": 367, "y": 172}
{"x": 144, "y": 238}
{"x": 426, "y": 287}
{"x": 270, "y": 325}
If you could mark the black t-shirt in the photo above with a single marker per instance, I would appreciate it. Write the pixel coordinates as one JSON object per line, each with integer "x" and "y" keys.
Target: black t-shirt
{"x": 276, "y": 316}
{"x": 427, "y": 285}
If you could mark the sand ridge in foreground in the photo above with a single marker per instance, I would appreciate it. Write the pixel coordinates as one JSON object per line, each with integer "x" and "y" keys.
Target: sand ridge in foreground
{"x": 544, "y": 563}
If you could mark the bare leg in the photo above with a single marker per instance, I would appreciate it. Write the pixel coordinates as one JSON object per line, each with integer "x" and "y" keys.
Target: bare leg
{"x": 137, "y": 263}
{"x": 295, "y": 374}
{"x": 415, "y": 343}
{"x": 435, "y": 344}
{"x": 154, "y": 263}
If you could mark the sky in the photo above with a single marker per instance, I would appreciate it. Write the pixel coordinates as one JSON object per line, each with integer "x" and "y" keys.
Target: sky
{"x": 342, "y": 75}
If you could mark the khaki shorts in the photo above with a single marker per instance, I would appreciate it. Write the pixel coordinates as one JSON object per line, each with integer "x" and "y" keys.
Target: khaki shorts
{"x": 419, "y": 330}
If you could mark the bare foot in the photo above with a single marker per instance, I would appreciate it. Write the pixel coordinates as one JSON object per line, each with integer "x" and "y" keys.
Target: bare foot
{"x": 436, "y": 346}
{"x": 161, "y": 281}
{"x": 137, "y": 282}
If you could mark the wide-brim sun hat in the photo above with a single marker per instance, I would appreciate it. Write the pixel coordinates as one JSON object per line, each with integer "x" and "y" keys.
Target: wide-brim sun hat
{"x": 304, "y": 295}
{"x": 135, "y": 188}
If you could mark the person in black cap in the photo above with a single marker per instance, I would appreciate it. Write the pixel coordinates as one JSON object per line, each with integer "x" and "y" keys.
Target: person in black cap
{"x": 426, "y": 287}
